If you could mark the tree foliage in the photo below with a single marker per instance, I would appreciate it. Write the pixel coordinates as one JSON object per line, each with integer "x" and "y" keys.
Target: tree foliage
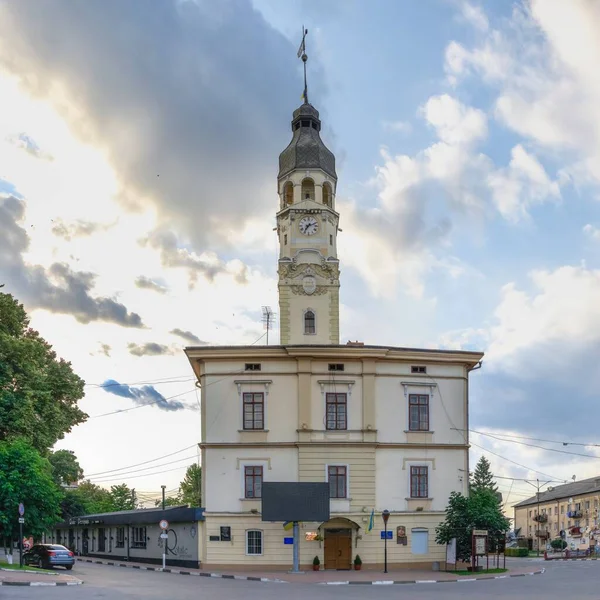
{"x": 90, "y": 499}
{"x": 483, "y": 478}
{"x": 123, "y": 497}
{"x": 65, "y": 467}
{"x": 38, "y": 391}
{"x": 191, "y": 486}
{"x": 481, "y": 510}
{"x": 26, "y": 477}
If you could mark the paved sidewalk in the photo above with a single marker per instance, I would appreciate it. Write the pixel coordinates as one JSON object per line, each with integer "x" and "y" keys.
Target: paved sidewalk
{"x": 365, "y": 577}
{"x": 13, "y": 577}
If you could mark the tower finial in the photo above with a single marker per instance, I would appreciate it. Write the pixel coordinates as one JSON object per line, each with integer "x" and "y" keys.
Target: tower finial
{"x": 302, "y": 55}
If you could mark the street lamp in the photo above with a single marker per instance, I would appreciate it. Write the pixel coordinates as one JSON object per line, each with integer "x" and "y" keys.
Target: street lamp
{"x": 385, "y": 515}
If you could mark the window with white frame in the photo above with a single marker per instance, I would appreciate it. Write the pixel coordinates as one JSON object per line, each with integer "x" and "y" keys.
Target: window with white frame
{"x": 254, "y": 542}
{"x": 139, "y": 537}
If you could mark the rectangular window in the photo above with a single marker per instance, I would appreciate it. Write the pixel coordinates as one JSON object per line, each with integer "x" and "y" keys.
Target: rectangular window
{"x": 254, "y": 410}
{"x": 562, "y": 510}
{"x": 253, "y": 477}
{"x": 252, "y": 367}
{"x": 139, "y": 537}
{"x": 337, "y": 477}
{"x": 336, "y": 366}
{"x": 419, "y": 482}
{"x": 587, "y": 505}
{"x": 556, "y": 510}
{"x": 418, "y": 412}
{"x": 120, "y": 537}
{"x": 330, "y": 240}
{"x": 418, "y": 369}
{"x": 336, "y": 411}
{"x": 285, "y": 239}
{"x": 254, "y": 543}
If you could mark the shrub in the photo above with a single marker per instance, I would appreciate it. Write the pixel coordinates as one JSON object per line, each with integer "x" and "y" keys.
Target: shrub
{"x": 316, "y": 561}
{"x": 357, "y": 560}
{"x": 558, "y": 544}
{"x": 516, "y": 552}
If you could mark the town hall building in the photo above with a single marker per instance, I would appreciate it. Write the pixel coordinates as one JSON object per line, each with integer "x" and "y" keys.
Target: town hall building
{"x": 385, "y": 426}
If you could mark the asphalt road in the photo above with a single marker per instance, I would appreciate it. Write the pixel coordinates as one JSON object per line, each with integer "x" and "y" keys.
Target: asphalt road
{"x": 562, "y": 580}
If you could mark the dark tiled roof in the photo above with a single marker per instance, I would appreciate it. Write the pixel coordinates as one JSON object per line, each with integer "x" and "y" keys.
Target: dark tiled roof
{"x": 577, "y": 488}
{"x": 307, "y": 150}
{"x": 173, "y": 514}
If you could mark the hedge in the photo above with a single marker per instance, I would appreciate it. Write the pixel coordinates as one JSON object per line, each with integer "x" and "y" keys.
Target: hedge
{"x": 516, "y": 552}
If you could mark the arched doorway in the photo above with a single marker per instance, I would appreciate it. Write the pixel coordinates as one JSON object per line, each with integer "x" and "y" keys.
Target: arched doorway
{"x": 337, "y": 535}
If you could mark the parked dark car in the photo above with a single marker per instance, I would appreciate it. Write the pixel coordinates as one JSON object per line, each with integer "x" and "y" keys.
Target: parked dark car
{"x": 46, "y": 556}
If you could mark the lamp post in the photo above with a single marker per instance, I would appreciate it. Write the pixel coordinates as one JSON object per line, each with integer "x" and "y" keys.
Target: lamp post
{"x": 385, "y": 515}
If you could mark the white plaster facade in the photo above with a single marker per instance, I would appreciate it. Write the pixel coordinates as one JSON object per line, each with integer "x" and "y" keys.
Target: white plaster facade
{"x": 376, "y": 446}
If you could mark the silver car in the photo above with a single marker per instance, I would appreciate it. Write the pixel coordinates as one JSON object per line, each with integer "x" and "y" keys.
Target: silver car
{"x": 46, "y": 556}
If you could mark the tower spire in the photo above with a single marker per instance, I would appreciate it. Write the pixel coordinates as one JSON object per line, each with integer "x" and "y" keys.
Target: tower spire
{"x": 302, "y": 55}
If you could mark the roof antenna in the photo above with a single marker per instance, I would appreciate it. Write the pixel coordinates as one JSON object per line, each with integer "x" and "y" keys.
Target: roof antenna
{"x": 268, "y": 316}
{"x": 302, "y": 55}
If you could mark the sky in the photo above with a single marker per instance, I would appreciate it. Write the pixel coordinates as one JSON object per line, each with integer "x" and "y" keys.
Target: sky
{"x": 138, "y": 163}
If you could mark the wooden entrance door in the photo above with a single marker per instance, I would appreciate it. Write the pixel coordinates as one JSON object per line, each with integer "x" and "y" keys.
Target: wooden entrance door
{"x": 338, "y": 549}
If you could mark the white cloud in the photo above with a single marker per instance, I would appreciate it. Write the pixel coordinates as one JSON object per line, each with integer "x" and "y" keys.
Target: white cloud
{"x": 544, "y": 66}
{"x": 521, "y": 184}
{"x": 454, "y": 122}
{"x": 593, "y": 232}
{"x": 475, "y": 15}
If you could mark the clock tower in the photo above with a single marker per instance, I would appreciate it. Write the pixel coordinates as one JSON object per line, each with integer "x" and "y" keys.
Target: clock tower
{"x": 307, "y": 226}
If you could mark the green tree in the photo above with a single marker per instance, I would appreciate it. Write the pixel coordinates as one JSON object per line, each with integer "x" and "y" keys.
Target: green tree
{"x": 72, "y": 505}
{"x": 93, "y": 498}
{"x": 65, "y": 467}
{"x": 171, "y": 501}
{"x": 191, "y": 486}
{"x": 481, "y": 510}
{"x": 123, "y": 497}
{"x": 26, "y": 477}
{"x": 38, "y": 391}
{"x": 483, "y": 478}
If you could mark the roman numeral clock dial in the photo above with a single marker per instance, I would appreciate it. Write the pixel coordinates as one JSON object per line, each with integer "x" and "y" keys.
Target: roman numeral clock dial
{"x": 308, "y": 225}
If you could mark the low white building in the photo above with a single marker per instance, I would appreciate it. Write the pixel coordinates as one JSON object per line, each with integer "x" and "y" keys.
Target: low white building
{"x": 385, "y": 426}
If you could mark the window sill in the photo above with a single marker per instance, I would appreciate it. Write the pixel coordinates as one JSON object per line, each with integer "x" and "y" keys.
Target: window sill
{"x": 419, "y": 499}
{"x": 418, "y": 431}
{"x": 250, "y": 499}
{"x": 253, "y": 431}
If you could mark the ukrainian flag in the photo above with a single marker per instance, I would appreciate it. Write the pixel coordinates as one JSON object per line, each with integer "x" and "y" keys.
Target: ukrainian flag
{"x": 371, "y": 521}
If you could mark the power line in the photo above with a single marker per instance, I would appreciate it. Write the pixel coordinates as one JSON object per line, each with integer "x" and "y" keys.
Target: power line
{"x": 523, "y": 437}
{"x": 176, "y": 379}
{"x": 145, "y": 468}
{"x": 148, "y": 474}
{"x": 142, "y": 463}
{"x": 500, "y": 439}
{"x": 512, "y": 461}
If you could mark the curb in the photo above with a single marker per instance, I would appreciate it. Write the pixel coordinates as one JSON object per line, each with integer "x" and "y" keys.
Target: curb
{"x": 420, "y": 581}
{"x": 182, "y": 572}
{"x": 267, "y": 580}
{"x": 41, "y": 583}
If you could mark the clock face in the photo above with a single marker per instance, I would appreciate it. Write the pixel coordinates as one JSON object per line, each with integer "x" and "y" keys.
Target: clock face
{"x": 308, "y": 225}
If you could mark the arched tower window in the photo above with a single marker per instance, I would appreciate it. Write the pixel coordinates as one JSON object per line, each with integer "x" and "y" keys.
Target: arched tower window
{"x": 327, "y": 196}
{"x": 288, "y": 193}
{"x": 310, "y": 322}
{"x": 308, "y": 189}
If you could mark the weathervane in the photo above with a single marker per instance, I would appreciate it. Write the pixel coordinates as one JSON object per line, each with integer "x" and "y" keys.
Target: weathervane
{"x": 302, "y": 55}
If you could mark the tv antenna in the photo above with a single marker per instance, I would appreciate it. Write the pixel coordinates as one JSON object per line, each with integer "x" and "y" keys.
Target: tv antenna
{"x": 268, "y": 316}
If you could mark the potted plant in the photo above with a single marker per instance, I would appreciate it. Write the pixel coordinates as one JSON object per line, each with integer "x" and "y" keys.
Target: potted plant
{"x": 357, "y": 563}
{"x": 316, "y": 563}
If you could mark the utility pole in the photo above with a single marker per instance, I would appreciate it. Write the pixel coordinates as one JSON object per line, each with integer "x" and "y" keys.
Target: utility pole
{"x": 164, "y": 487}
